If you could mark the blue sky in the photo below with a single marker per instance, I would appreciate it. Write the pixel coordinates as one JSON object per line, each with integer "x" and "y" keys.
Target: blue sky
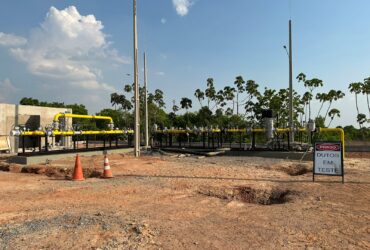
{"x": 185, "y": 46}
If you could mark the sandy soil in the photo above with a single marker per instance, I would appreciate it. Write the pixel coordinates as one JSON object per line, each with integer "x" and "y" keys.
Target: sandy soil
{"x": 184, "y": 202}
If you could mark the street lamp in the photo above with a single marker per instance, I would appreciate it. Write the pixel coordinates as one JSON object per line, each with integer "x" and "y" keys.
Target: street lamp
{"x": 289, "y": 53}
{"x": 136, "y": 86}
{"x": 286, "y": 50}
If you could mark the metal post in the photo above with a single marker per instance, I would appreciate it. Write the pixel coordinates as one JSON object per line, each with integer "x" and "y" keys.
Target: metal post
{"x": 291, "y": 132}
{"x": 46, "y": 143}
{"x": 240, "y": 140}
{"x": 253, "y": 140}
{"x": 136, "y": 90}
{"x": 23, "y": 146}
{"x": 39, "y": 144}
{"x": 146, "y": 105}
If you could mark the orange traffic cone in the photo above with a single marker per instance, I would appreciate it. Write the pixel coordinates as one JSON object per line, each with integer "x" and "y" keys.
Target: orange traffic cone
{"x": 77, "y": 172}
{"x": 107, "y": 171}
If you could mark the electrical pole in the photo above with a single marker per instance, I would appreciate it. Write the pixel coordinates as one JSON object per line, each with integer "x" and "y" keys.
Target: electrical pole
{"x": 291, "y": 125}
{"x": 136, "y": 89}
{"x": 146, "y": 105}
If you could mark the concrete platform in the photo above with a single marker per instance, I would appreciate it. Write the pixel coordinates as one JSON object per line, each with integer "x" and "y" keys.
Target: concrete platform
{"x": 229, "y": 152}
{"x": 273, "y": 154}
{"x": 28, "y": 160}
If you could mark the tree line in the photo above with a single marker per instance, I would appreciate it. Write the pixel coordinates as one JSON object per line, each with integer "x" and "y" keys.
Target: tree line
{"x": 239, "y": 105}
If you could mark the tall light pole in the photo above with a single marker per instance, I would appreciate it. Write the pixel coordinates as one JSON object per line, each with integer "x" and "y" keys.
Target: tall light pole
{"x": 291, "y": 125}
{"x": 146, "y": 105}
{"x": 136, "y": 89}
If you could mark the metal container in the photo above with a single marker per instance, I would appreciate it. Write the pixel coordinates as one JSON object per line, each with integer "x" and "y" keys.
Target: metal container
{"x": 269, "y": 127}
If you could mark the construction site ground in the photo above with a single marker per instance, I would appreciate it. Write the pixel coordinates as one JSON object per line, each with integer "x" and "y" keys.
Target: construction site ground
{"x": 184, "y": 202}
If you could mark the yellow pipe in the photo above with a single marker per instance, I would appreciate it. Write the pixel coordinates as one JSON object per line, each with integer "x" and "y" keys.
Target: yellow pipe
{"x": 338, "y": 130}
{"x": 70, "y": 133}
{"x": 231, "y": 130}
{"x": 258, "y": 130}
{"x": 33, "y": 133}
{"x": 57, "y": 116}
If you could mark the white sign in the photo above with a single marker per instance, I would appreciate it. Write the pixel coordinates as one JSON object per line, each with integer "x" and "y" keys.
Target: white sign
{"x": 328, "y": 158}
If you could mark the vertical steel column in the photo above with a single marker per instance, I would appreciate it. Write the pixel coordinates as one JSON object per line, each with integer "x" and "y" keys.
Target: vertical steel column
{"x": 146, "y": 106}
{"x": 291, "y": 131}
{"x": 136, "y": 89}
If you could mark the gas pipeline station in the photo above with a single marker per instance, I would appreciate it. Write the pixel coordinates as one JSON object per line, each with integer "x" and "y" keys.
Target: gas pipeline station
{"x": 60, "y": 136}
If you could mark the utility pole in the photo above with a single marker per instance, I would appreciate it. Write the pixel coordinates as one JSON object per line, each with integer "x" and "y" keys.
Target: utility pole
{"x": 146, "y": 105}
{"x": 291, "y": 125}
{"x": 136, "y": 89}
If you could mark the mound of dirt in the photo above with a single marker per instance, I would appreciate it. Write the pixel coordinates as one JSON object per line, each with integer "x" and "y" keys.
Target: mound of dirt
{"x": 57, "y": 172}
{"x": 261, "y": 195}
{"x": 293, "y": 169}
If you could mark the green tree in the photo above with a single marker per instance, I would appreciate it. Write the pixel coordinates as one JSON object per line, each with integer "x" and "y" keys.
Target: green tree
{"x": 322, "y": 98}
{"x": 29, "y": 101}
{"x": 252, "y": 91}
{"x": 210, "y": 92}
{"x": 200, "y": 96}
{"x": 239, "y": 82}
{"x": 366, "y": 91}
{"x": 332, "y": 114}
{"x": 311, "y": 85}
{"x": 175, "y": 108}
{"x": 333, "y": 95}
{"x": 306, "y": 98}
{"x": 361, "y": 119}
{"x": 186, "y": 103}
{"x": 229, "y": 95}
{"x": 356, "y": 88}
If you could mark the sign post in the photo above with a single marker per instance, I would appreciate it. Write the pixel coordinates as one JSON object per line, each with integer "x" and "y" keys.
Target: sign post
{"x": 328, "y": 159}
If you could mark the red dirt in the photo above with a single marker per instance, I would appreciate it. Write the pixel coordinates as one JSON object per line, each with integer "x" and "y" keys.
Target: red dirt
{"x": 158, "y": 202}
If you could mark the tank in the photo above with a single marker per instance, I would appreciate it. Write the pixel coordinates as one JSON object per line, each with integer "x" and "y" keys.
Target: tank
{"x": 311, "y": 126}
{"x": 269, "y": 128}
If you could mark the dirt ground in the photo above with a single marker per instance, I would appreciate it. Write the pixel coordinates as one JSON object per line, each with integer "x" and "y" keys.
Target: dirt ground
{"x": 184, "y": 202}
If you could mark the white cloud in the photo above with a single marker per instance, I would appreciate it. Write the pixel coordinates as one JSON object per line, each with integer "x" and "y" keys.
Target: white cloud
{"x": 159, "y": 73}
{"x": 163, "y": 20}
{"x": 11, "y": 40}
{"x": 67, "y": 47}
{"x": 6, "y": 89}
{"x": 182, "y": 6}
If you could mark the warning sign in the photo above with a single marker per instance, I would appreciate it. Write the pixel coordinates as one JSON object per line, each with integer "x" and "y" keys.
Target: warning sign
{"x": 328, "y": 159}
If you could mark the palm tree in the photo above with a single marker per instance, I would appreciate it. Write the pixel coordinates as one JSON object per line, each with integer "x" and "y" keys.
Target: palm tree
{"x": 332, "y": 114}
{"x": 333, "y": 96}
{"x": 200, "y": 96}
{"x": 306, "y": 98}
{"x": 361, "y": 119}
{"x": 355, "y": 88}
{"x": 175, "y": 108}
{"x": 239, "y": 81}
{"x": 127, "y": 88}
{"x": 229, "y": 95}
{"x": 311, "y": 85}
{"x": 366, "y": 91}
{"x": 158, "y": 98}
{"x": 322, "y": 97}
{"x": 210, "y": 91}
{"x": 186, "y": 103}
{"x": 252, "y": 91}
{"x": 114, "y": 100}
